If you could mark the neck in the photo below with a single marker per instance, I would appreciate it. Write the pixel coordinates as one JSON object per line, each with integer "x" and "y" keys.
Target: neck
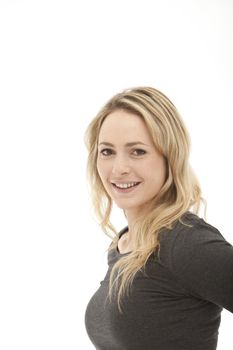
{"x": 131, "y": 217}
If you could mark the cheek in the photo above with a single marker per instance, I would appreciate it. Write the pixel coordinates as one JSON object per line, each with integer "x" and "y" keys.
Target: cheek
{"x": 101, "y": 169}
{"x": 158, "y": 175}
{"x": 162, "y": 170}
{"x": 98, "y": 169}
{"x": 163, "y": 173}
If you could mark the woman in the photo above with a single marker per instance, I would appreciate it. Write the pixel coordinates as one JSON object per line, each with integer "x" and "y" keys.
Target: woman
{"x": 170, "y": 273}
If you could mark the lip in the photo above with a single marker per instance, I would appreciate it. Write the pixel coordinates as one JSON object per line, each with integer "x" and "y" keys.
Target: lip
{"x": 125, "y": 190}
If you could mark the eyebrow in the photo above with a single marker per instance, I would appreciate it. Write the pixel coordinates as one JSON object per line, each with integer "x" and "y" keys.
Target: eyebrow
{"x": 128, "y": 144}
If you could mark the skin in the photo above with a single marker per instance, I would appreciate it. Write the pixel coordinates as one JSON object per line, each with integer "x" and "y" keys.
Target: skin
{"x": 127, "y": 155}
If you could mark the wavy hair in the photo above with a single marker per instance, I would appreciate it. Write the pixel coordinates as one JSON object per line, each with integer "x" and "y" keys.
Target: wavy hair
{"x": 180, "y": 193}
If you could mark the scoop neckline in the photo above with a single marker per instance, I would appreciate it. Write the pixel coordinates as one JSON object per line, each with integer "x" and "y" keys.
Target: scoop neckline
{"x": 121, "y": 233}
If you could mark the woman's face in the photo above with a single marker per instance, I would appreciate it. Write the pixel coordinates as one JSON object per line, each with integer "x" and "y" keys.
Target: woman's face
{"x": 131, "y": 169}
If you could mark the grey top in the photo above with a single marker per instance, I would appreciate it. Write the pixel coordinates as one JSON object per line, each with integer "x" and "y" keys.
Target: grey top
{"x": 176, "y": 303}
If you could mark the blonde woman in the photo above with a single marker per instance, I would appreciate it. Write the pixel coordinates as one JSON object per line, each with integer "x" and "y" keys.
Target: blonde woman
{"x": 170, "y": 273}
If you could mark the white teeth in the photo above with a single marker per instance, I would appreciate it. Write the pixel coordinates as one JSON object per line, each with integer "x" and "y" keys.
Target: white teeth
{"x": 126, "y": 185}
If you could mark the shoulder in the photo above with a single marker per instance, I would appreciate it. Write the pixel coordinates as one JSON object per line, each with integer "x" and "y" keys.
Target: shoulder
{"x": 190, "y": 230}
{"x": 191, "y": 237}
{"x": 201, "y": 260}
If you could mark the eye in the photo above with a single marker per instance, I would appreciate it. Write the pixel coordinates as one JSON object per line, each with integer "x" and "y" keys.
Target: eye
{"x": 106, "y": 152}
{"x": 139, "y": 152}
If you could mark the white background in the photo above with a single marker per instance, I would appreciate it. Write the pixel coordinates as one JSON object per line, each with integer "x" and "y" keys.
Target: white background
{"x": 59, "y": 62}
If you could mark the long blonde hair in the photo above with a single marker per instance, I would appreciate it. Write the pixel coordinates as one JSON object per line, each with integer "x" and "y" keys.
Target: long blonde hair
{"x": 181, "y": 191}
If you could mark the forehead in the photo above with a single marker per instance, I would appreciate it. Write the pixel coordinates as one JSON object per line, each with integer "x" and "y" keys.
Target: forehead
{"x": 121, "y": 125}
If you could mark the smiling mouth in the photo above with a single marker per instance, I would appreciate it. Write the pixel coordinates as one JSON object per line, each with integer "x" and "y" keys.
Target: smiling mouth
{"x": 125, "y": 186}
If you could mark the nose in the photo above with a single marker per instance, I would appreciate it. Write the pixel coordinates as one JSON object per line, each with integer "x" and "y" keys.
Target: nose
{"x": 120, "y": 166}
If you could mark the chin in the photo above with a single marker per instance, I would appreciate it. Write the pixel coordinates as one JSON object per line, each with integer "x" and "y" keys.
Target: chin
{"x": 125, "y": 206}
